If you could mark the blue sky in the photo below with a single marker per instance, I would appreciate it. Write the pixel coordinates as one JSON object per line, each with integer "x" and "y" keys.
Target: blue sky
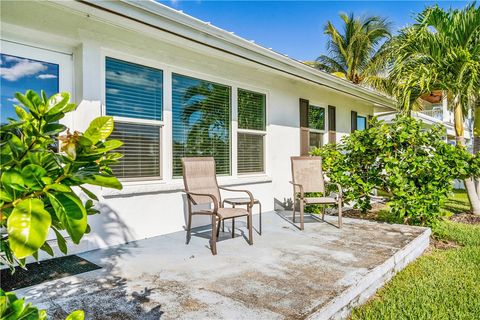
{"x": 19, "y": 74}
{"x": 295, "y": 28}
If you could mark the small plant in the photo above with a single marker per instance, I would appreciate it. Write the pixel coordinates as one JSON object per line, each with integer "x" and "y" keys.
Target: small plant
{"x": 412, "y": 164}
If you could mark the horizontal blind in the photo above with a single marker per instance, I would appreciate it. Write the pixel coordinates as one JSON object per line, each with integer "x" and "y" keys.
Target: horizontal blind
{"x": 316, "y": 117}
{"x": 201, "y": 122}
{"x": 141, "y": 150}
{"x": 251, "y": 110}
{"x": 133, "y": 90}
{"x": 250, "y": 153}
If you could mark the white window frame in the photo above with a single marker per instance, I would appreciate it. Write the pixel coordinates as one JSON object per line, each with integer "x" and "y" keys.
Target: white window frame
{"x": 64, "y": 60}
{"x": 325, "y": 123}
{"x": 158, "y": 123}
{"x": 262, "y": 133}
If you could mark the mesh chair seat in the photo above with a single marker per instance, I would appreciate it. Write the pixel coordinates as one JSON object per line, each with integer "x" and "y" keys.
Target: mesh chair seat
{"x": 319, "y": 200}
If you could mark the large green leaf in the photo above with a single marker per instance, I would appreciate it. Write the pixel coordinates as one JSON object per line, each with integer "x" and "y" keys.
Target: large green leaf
{"x": 32, "y": 176}
{"x": 27, "y": 227}
{"x": 13, "y": 179}
{"x": 99, "y": 129}
{"x": 58, "y": 102}
{"x": 71, "y": 212}
{"x": 76, "y": 315}
{"x": 97, "y": 179}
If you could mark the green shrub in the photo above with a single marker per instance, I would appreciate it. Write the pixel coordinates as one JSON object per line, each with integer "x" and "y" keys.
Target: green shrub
{"x": 38, "y": 181}
{"x": 402, "y": 158}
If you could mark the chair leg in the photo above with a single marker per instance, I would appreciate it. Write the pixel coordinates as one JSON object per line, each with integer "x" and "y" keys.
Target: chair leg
{"x": 340, "y": 213}
{"x": 223, "y": 225}
{"x": 213, "y": 241}
{"x": 233, "y": 224}
{"x": 301, "y": 214}
{"x": 218, "y": 227}
{"x": 189, "y": 227}
{"x": 250, "y": 226}
{"x": 260, "y": 216}
{"x": 294, "y": 203}
{"x": 323, "y": 212}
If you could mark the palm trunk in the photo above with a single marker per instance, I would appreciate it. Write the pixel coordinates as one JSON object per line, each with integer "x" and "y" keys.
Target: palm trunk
{"x": 460, "y": 139}
{"x": 476, "y": 138}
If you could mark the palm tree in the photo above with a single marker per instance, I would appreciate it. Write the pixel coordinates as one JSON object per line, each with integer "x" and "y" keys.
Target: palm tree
{"x": 441, "y": 51}
{"x": 356, "y": 54}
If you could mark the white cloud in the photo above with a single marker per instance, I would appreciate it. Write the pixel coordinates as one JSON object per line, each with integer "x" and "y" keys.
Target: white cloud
{"x": 13, "y": 59}
{"x": 113, "y": 91}
{"x": 130, "y": 79}
{"x": 46, "y": 76}
{"x": 15, "y": 100}
{"x": 22, "y": 68}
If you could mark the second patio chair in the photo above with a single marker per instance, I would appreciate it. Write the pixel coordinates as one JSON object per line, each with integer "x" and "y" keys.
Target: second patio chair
{"x": 201, "y": 187}
{"x": 307, "y": 177}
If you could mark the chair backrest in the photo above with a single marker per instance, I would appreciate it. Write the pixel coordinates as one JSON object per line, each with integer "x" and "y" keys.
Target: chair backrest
{"x": 307, "y": 171}
{"x": 199, "y": 176}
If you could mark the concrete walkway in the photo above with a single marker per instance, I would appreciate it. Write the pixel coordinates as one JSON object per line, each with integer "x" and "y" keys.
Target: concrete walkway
{"x": 287, "y": 274}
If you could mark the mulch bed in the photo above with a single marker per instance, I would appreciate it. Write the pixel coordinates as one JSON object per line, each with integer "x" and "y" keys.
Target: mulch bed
{"x": 369, "y": 215}
{"x": 47, "y": 270}
{"x": 466, "y": 218}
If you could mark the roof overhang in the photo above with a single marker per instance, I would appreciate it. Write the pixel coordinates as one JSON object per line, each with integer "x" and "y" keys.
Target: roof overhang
{"x": 166, "y": 19}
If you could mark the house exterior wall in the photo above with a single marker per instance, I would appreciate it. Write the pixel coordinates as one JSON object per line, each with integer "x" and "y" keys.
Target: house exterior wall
{"x": 149, "y": 208}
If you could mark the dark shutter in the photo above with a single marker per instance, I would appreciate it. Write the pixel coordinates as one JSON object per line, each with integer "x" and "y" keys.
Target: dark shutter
{"x": 304, "y": 137}
{"x": 354, "y": 120}
{"x": 332, "y": 127}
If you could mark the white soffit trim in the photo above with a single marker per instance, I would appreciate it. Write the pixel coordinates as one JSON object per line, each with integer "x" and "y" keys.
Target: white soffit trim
{"x": 190, "y": 28}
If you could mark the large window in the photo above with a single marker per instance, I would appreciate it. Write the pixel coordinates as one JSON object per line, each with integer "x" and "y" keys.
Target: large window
{"x": 316, "y": 124}
{"x": 251, "y": 132}
{"x": 201, "y": 122}
{"x": 20, "y": 74}
{"x": 134, "y": 96}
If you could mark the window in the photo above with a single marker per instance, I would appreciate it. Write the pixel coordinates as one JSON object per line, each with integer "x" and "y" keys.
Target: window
{"x": 134, "y": 97}
{"x": 21, "y": 74}
{"x": 316, "y": 125}
{"x": 251, "y": 132}
{"x": 361, "y": 123}
{"x": 201, "y": 122}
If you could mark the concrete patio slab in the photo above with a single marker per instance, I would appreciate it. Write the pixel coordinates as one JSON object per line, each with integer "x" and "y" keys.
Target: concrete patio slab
{"x": 319, "y": 273}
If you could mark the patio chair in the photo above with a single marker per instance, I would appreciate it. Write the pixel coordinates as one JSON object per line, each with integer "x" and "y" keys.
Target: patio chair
{"x": 307, "y": 177}
{"x": 201, "y": 187}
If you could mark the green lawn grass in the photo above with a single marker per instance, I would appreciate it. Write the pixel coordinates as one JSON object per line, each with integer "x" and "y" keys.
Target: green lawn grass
{"x": 442, "y": 284}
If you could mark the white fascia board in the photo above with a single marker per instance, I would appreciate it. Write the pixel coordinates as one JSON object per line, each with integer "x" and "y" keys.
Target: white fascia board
{"x": 180, "y": 24}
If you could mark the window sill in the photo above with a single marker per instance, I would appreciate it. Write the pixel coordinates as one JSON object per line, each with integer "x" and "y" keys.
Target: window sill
{"x": 131, "y": 188}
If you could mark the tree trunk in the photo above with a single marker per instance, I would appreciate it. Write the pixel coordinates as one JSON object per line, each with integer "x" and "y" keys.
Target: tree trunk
{"x": 460, "y": 139}
{"x": 476, "y": 137}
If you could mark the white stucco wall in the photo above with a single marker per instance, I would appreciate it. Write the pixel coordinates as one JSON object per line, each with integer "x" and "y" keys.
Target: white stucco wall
{"x": 149, "y": 208}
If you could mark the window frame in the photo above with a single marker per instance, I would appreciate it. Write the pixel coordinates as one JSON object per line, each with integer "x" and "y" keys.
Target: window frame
{"x": 200, "y": 77}
{"x": 147, "y": 122}
{"x": 64, "y": 60}
{"x": 262, "y": 133}
{"x": 361, "y": 115}
{"x": 325, "y": 123}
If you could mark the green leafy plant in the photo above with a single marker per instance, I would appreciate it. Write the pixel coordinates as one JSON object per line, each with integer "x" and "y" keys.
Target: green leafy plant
{"x": 13, "y": 308}
{"x": 40, "y": 183}
{"x": 412, "y": 164}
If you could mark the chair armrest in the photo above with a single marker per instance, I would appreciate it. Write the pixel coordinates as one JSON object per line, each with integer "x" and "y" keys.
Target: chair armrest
{"x": 250, "y": 195}
{"x": 299, "y": 186}
{"x": 339, "y": 187}
{"x": 214, "y": 199}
